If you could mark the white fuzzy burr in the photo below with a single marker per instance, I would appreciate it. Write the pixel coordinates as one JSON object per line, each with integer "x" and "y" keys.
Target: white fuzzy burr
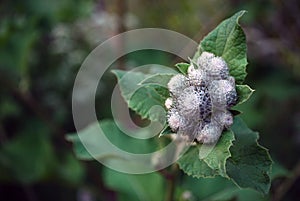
{"x": 175, "y": 120}
{"x": 168, "y": 103}
{"x": 177, "y": 84}
{"x": 210, "y": 133}
{"x": 220, "y": 92}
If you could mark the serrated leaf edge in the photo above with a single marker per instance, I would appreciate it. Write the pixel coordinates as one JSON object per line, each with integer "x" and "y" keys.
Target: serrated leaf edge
{"x": 268, "y": 172}
{"x": 228, "y": 149}
{"x": 249, "y": 95}
{"x": 196, "y": 176}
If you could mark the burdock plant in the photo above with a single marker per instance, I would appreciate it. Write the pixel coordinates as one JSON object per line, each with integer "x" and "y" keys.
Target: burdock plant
{"x": 199, "y": 101}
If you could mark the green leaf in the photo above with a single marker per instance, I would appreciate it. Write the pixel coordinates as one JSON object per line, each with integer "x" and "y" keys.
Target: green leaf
{"x": 219, "y": 189}
{"x": 250, "y": 164}
{"x": 229, "y": 42}
{"x": 216, "y": 159}
{"x": 244, "y": 93}
{"x": 158, "y": 79}
{"x": 211, "y": 160}
{"x": 128, "y": 82}
{"x": 182, "y": 67}
{"x": 163, "y": 92}
{"x": 193, "y": 166}
{"x": 205, "y": 187}
{"x": 234, "y": 193}
{"x": 136, "y": 187}
{"x": 142, "y": 98}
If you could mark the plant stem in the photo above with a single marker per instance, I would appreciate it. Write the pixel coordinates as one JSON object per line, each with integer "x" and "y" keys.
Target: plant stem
{"x": 170, "y": 190}
{"x": 171, "y": 183}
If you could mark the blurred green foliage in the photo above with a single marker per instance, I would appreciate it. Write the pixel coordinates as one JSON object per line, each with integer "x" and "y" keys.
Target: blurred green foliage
{"x": 42, "y": 45}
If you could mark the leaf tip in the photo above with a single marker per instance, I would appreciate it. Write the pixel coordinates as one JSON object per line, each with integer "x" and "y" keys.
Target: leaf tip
{"x": 239, "y": 15}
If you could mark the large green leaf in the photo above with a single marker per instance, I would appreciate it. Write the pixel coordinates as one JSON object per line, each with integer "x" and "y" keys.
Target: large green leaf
{"x": 219, "y": 189}
{"x": 229, "y": 42}
{"x": 245, "y": 162}
{"x": 235, "y": 193}
{"x": 204, "y": 187}
{"x": 213, "y": 161}
{"x": 193, "y": 166}
{"x": 250, "y": 164}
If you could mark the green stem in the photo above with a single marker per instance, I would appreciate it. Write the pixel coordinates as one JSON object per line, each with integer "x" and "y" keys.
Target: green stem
{"x": 171, "y": 183}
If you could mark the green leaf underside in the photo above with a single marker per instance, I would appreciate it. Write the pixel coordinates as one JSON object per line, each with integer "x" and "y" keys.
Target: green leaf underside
{"x": 228, "y": 41}
{"x": 250, "y": 164}
{"x": 213, "y": 164}
{"x": 244, "y": 93}
{"x": 182, "y": 67}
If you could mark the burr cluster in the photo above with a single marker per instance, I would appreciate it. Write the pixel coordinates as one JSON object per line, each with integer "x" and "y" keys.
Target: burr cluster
{"x": 199, "y": 103}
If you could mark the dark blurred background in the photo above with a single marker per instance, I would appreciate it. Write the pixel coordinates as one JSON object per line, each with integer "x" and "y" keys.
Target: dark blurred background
{"x": 43, "y": 43}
